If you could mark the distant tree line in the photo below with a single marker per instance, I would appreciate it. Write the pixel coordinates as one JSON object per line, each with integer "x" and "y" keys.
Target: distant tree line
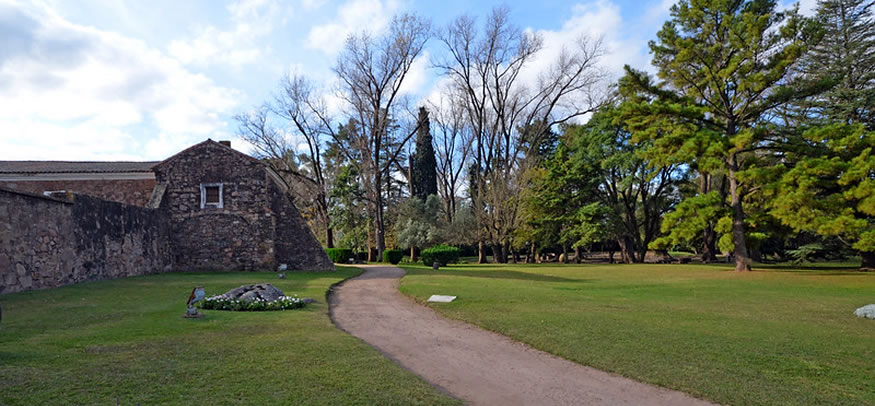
{"x": 754, "y": 138}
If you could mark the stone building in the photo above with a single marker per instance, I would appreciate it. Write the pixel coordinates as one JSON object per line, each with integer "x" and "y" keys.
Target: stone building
{"x": 208, "y": 207}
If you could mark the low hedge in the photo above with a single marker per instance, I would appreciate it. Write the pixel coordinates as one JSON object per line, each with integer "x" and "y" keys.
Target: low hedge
{"x": 393, "y": 256}
{"x": 339, "y": 255}
{"x": 442, "y": 254}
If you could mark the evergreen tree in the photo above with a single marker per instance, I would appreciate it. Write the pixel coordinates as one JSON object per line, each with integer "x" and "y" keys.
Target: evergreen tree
{"x": 832, "y": 192}
{"x": 844, "y": 60}
{"x": 424, "y": 179}
{"x": 724, "y": 65}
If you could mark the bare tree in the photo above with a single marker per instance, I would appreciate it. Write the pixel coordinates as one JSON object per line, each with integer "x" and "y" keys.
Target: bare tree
{"x": 488, "y": 70}
{"x": 303, "y": 110}
{"x": 453, "y": 140}
{"x": 371, "y": 71}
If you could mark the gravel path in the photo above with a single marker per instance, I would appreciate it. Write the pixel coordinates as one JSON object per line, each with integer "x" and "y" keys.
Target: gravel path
{"x": 472, "y": 364}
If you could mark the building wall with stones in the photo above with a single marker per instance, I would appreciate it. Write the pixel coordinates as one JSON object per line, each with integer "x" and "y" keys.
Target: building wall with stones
{"x": 48, "y": 242}
{"x": 256, "y": 227}
{"x": 296, "y": 246}
{"x": 129, "y": 191}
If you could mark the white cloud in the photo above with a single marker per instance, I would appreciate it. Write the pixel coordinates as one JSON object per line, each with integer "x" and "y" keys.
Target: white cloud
{"x": 600, "y": 19}
{"x": 73, "y": 92}
{"x": 313, "y": 4}
{"x": 251, "y": 20}
{"x": 417, "y": 76}
{"x": 353, "y": 17}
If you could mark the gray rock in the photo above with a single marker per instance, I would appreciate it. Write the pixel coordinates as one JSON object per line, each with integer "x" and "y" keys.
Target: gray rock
{"x": 867, "y": 311}
{"x": 248, "y": 293}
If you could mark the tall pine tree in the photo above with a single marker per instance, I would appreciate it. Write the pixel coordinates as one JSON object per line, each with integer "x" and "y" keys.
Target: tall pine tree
{"x": 724, "y": 65}
{"x": 844, "y": 60}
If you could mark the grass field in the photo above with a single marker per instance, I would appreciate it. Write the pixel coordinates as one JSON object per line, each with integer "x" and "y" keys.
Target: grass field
{"x": 774, "y": 337}
{"x": 124, "y": 341}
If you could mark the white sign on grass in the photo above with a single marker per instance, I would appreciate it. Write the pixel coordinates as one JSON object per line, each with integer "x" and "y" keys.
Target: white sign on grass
{"x": 441, "y": 298}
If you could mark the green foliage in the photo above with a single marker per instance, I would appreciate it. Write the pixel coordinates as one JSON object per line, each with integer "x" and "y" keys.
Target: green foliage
{"x": 393, "y": 256}
{"x": 725, "y": 67}
{"x": 418, "y": 222}
{"x": 843, "y": 61}
{"x": 685, "y": 223}
{"x": 807, "y": 253}
{"x": 340, "y": 255}
{"x": 832, "y": 193}
{"x": 349, "y": 212}
{"x": 442, "y": 254}
{"x": 424, "y": 171}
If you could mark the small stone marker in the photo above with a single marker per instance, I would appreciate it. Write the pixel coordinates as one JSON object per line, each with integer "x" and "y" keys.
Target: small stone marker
{"x": 866, "y": 312}
{"x": 283, "y": 267}
{"x": 436, "y": 265}
{"x": 441, "y": 298}
{"x": 282, "y": 276}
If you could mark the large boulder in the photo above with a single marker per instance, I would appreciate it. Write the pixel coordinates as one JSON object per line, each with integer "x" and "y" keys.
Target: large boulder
{"x": 249, "y": 293}
{"x": 867, "y": 311}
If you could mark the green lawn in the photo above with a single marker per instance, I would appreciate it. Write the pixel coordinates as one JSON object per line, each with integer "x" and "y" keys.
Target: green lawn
{"x": 124, "y": 341}
{"x": 761, "y": 338}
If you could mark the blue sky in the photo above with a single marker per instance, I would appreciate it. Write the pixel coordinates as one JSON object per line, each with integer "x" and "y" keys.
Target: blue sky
{"x": 117, "y": 80}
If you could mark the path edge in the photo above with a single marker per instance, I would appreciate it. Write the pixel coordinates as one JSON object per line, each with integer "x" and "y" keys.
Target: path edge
{"x": 331, "y": 300}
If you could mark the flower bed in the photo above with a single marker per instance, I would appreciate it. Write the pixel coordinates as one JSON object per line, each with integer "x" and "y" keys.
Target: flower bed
{"x": 257, "y": 305}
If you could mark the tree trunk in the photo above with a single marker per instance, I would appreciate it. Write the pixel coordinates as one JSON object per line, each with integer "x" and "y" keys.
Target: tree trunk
{"x": 868, "y": 261}
{"x": 329, "y": 237}
{"x": 412, "y": 254}
{"x": 709, "y": 246}
{"x": 379, "y": 224}
{"x": 742, "y": 261}
{"x": 481, "y": 253}
{"x": 533, "y": 255}
{"x": 563, "y": 259}
{"x": 640, "y": 254}
{"x": 498, "y": 254}
{"x": 627, "y": 250}
{"x": 611, "y": 257}
{"x": 577, "y": 255}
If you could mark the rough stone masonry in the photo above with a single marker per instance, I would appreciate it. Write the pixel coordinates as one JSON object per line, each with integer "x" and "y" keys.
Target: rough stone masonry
{"x": 212, "y": 208}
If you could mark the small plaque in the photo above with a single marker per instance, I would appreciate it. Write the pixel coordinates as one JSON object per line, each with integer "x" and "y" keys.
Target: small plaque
{"x": 441, "y": 298}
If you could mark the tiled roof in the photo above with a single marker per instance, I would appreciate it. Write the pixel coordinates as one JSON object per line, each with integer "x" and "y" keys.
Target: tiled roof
{"x": 74, "y": 167}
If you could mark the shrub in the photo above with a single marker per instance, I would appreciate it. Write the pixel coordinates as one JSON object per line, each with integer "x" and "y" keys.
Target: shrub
{"x": 222, "y": 303}
{"x": 442, "y": 254}
{"x": 361, "y": 256}
{"x": 393, "y": 256}
{"x": 340, "y": 255}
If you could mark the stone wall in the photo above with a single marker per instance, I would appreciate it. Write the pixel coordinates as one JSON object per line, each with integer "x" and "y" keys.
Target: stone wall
{"x": 237, "y": 236}
{"x": 47, "y": 242}
{"x": 258, "y": 227}
{"x": 130, "y": 191}
{"x": 296, "y": 246}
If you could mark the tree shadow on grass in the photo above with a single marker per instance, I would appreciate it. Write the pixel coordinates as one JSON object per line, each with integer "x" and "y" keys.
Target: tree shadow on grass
{"x": 498, "y": 274}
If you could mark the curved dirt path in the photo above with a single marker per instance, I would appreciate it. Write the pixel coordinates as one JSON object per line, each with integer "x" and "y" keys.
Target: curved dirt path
{"x": 472, "y": 364}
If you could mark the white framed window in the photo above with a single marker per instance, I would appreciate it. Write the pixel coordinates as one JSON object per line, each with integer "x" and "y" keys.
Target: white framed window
{"x": 211, "y": 195}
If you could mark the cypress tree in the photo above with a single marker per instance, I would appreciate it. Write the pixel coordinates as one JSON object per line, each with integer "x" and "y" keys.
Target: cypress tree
{"x": 424, "y": 179}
